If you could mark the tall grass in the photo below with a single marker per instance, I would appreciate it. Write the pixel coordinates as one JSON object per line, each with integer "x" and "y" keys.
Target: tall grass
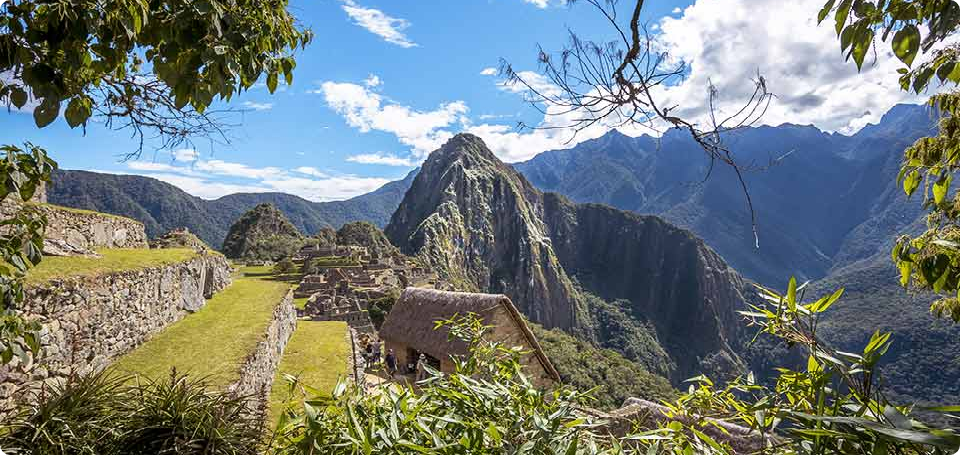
{"x": 110, "y": 414}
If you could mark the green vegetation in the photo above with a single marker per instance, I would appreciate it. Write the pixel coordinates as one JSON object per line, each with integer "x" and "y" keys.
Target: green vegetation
{"x": 316, "y": 356}
{"x": 380, "y": 308}
{"x": 263, "y": 233}
{"x": 583, "y": 367}
{"x": 107, "y": 414}
{"x": 300, "y": 303}
{"x": 22, "y": 172}
{"x": 212, "y": 342}
{"x": 485, "y": 407}
{"x": 284, "y": 267}
{"x": 627, "y": 334}
{"x": 367, "y": 235}
{"x": 111, "y": 260}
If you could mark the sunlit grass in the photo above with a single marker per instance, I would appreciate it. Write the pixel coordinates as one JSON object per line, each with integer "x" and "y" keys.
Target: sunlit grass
{"x": 111, "y": 260}
{"x": 214, "y": 341}
{"x": 317, "y": 354}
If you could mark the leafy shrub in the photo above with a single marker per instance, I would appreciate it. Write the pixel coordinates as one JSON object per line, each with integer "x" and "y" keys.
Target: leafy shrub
{"x": 378, "y": 309}
{"x": 612, "y": 377}
{"x": 487, "y": 406}
{"x": 109, "y": 414}
{"x": 284, "y": 267}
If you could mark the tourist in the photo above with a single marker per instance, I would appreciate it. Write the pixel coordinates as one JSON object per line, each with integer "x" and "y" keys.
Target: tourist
{"x": 391, "y": 361}
{"x": 421, "y": 368}
{"x": 377, "y": 351}
{"x": 368, "y": 354}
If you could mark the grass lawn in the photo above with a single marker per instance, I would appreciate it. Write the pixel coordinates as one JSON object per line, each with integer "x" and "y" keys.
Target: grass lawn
{"x": 214, "y": 341}
{"x": 112, "y": 260}
{"x": 300, "y": 303}
{"x": 317, "y": 354}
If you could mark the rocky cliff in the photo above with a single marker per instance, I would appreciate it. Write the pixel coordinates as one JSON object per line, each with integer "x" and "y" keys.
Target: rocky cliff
{"x": 255, "y": 229}
{"x": 482, "y": 226}
{"x": 478, "y": 223}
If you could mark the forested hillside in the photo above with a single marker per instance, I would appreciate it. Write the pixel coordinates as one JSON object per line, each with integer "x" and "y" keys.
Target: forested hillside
{"x": 161, "y": 206}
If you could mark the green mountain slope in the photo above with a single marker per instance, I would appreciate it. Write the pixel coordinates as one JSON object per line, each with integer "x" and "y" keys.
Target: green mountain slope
{"x": 162, "y": 207}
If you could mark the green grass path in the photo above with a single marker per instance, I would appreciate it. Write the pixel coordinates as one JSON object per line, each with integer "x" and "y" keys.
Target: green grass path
{"x": 317, "y": 354}
{"x": 213, "y": 342}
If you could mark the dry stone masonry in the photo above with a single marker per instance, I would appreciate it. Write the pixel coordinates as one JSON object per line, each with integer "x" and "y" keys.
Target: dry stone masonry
{"x": 259, "y": 369}
{"x": 90, "y": 321}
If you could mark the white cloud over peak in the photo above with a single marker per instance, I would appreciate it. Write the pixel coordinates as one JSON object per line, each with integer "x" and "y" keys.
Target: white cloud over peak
{"x": 423, "y": 131}
{"x": 382, "y": 158}
{"x": 727, "y": 42}
{"x": 379, "y": 23}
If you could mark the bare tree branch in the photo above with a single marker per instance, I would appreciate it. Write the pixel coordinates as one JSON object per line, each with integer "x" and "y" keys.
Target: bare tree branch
{"x": 599, "y": 83}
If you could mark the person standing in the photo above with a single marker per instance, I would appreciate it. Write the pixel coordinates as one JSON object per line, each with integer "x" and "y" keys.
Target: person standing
{"x": 377, "y": 351}
{"x": 421, "y": 368}
{"x": 391, "y": 361}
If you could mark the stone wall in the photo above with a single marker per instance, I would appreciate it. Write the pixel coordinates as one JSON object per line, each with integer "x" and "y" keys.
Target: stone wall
{"x": 355, "y": 363}
{"x": 259, "y": 369}
{"x": 90, "y": 321}
{"x": 89, "y": 230}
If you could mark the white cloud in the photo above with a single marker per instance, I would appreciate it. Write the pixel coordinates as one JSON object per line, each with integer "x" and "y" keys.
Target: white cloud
{"x": 257, "y": 106}
{"x": 365, "y": 110}
{"x": 677, "y": 10}
{"x": 372, "y": 81}
{"x": 538, "y": 3}
{"x": 727, "y": 42}
{"x": 151, "y": 166}
{"x": 311, "y": 171}
{"x": 185, "y": 155}
{"x": 382, "y": 158}
{"x": 216, "y": 178}
{"x": 489, "y": 71}
{"x": 532, "y": 81}
{"x": 378, "y": 23}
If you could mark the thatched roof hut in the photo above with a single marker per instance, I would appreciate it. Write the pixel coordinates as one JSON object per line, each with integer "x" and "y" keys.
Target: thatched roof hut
{"x": 409, "y": 328}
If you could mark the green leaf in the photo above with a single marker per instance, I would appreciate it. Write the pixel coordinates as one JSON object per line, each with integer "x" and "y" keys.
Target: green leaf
{"x": 906, "y": 44}
{"x": 841, "y": 16}
{"x": 46, "y": 112}
{"x": 941, "y": 187}
{"x": 78, "y": 111}
{"x": 272, "y": 82}
{"x": 861, "y": 44}
{"x": 825, "y": 11}
{"x": 18, "y": 96}
{"x": 792, "y": 294}
{"x": 911, "y": 182}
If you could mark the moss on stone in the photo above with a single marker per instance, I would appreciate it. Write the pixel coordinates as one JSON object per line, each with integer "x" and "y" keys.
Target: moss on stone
{"x": 111, "y": 260}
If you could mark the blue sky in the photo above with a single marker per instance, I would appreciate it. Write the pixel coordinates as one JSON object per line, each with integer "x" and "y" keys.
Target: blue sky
{"x": 385, "y": 82}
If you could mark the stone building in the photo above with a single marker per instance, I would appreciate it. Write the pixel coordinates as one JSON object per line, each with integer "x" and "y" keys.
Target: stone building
{"x": 409, "y": 330}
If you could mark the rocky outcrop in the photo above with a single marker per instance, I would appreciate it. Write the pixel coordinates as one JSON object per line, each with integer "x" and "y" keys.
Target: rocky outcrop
{"x": 483, "y": 227}
{"x": 90, "y": 321}
{"x": 90, "y": 230}
{"x": 478, "y": 223}
{"x": 260, "y": 367}
{"x": 264, "y": 227}
{"x": 179, "y": 238}
{"x": 671, "y": 279}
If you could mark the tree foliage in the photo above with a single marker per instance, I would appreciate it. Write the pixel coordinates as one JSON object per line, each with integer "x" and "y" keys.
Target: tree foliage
{"x": 22, "y": 171}
{"x": 149, "y": 65}
{"x": 931, "y": 260}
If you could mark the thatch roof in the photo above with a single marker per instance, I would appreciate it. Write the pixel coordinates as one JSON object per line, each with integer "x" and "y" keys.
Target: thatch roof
{"x": 412, "y": 319}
